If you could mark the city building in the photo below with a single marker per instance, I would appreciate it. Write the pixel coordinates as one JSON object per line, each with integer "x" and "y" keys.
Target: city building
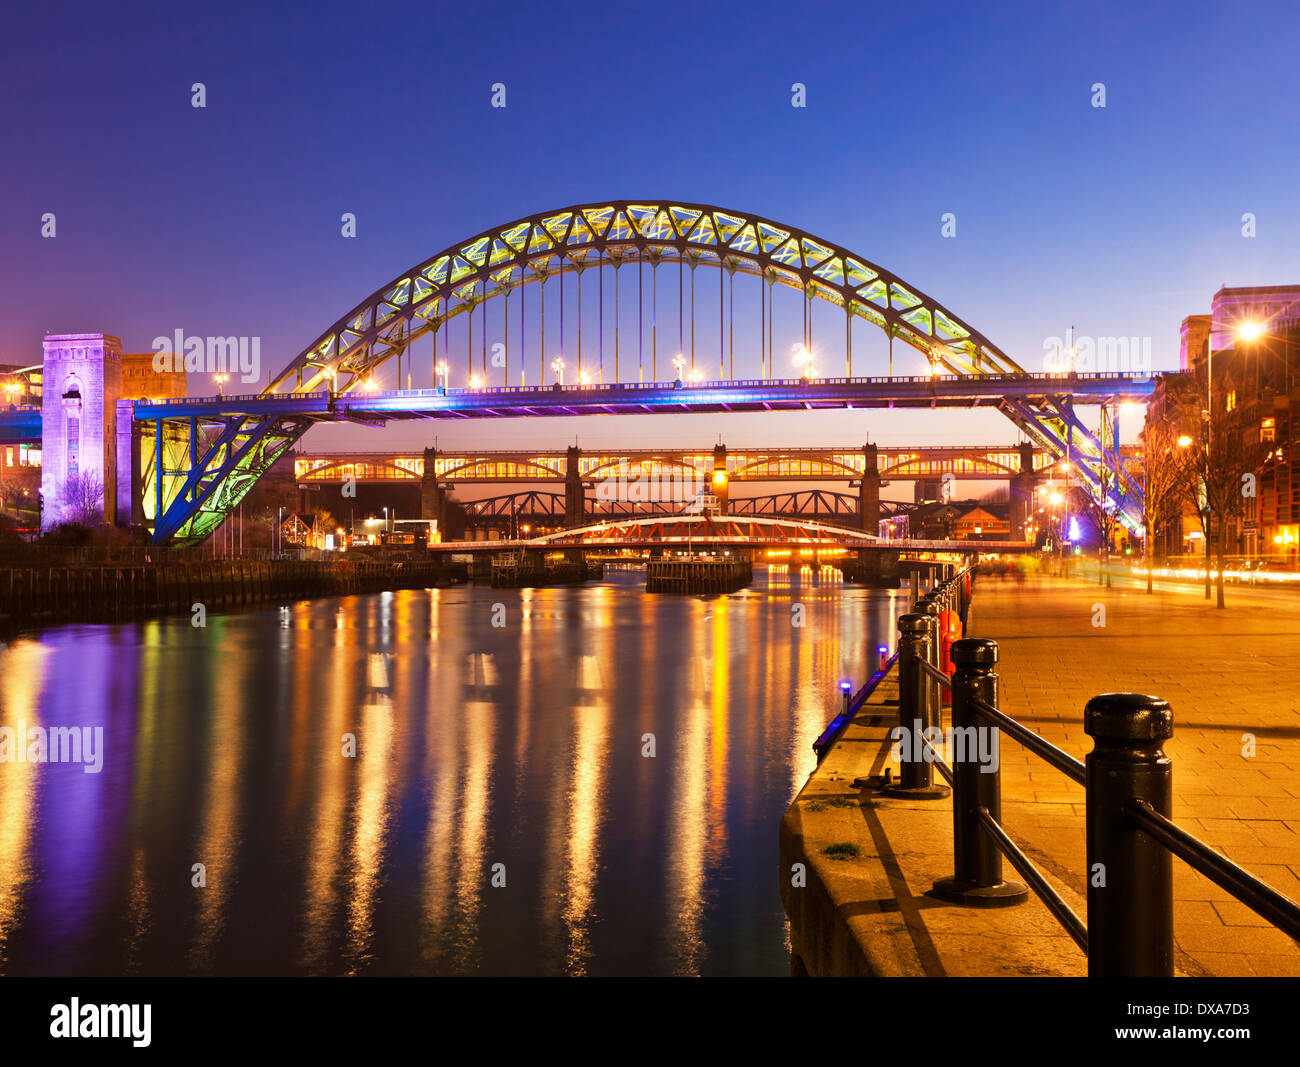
{"x": 20, "y": 385}
{"x": 1250, "y": 340}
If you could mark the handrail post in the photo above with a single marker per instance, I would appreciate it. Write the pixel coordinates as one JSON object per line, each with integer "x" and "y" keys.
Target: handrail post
{"x": 1130, "y": 875}
{"x": 916, "y": 779}
{"x": 977, "y": 862}
{"x": 930, "y": 610}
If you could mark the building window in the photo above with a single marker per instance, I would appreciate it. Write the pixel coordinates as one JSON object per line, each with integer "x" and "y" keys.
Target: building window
{"x": 74, "y": 445}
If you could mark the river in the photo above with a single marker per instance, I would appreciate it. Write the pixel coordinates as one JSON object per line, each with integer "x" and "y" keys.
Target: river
{"x": 570, "y": 780}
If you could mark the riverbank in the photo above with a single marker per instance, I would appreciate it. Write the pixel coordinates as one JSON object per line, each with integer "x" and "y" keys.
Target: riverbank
{"x": 1228, "y": 674}
{"x": 106, "y": 592}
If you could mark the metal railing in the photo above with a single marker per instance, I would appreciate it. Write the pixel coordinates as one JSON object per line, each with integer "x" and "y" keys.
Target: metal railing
{"x": 1128, "y": 785}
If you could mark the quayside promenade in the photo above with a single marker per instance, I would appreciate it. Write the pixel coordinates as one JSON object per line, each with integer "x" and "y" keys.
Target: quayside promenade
{"x": 1233, "y": 682}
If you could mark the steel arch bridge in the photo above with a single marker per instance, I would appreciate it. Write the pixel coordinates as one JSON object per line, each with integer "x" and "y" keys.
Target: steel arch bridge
{"x": 204, "y": 454}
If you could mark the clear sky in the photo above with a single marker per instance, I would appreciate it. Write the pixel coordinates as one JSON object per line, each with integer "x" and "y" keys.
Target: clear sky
{"x": 225, "y": 220}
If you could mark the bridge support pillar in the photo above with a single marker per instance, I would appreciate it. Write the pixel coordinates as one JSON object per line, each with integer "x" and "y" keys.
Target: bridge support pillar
{"x": 873, "y": 568}
{"x": 1022, "y": 495}
{"x": 719, "y": 485}
{"x": 869, "y": 493}
{"x": 81, "y": 384}
{"x": 433, "y": 497}
{"x": 574, "y": 500}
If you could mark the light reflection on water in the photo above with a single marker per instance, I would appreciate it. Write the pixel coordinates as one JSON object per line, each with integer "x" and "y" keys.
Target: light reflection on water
{"x": 498, "y": 815}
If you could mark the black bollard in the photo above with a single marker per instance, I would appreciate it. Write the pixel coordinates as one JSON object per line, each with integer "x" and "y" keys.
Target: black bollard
{"x": 916, "y": 779}
{"x": 977, "y": 864}
{"x": 1130, "y": 875}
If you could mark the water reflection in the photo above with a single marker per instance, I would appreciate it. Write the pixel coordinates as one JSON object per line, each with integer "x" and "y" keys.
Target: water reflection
{"x": 414, "y": 782}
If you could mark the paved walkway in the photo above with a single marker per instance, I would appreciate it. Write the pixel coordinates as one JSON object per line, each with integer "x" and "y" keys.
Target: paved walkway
{"x": 1225, "y": 674}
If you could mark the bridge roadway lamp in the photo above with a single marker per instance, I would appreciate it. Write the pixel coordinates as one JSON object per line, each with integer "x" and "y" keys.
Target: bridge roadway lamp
{"x": 557, "y": 365}
{"x": 803, "y": 358}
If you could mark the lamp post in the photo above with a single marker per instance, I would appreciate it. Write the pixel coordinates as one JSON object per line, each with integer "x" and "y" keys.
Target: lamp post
{"x": 557, "y": 365}
{"x": 1247, "y": 330}
{"x": 220, "y": 379}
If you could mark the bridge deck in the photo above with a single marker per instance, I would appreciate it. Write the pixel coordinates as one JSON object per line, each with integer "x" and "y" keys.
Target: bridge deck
{"x": 633, "y": 398}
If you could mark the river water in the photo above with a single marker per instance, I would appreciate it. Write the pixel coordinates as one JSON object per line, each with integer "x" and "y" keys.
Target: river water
{"x": 502, "y": 813}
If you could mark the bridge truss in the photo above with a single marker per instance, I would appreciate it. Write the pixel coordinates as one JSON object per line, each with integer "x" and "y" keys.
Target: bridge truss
{"x": 533, "y": 507}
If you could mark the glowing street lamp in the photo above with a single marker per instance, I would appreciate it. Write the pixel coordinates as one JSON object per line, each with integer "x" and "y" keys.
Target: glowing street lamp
{"x": 557, "y": 365}
{"x": 695, "y": 375}
{"x": 679, "y": 363}
{"x": 803, "y": 358}
{"x": 475, "y": 382}
{"x": 220, "y": 379}
{"x": 369, "y": 385}
{"x": 1250, "y": 331}
{"x": 442, "y": 373}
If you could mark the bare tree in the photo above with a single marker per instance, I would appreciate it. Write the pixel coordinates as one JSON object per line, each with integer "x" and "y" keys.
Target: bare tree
{"x": 83, "y": 499}
{"x": 1222, "y": 471}
{"x": 1166, "y": 461}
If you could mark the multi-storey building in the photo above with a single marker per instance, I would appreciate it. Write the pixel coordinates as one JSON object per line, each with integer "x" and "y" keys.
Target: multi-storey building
{"x": 1251, "y": 342}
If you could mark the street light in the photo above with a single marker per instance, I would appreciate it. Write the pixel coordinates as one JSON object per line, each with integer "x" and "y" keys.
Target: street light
{"x": 803, "y": 358}
{"x": 557, "y": 365}
{"x": 442, "y": 373}
{"x": 679, "y": 363}
{"x": 220, "y": 379}
{"x": 1250, "y": 331}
